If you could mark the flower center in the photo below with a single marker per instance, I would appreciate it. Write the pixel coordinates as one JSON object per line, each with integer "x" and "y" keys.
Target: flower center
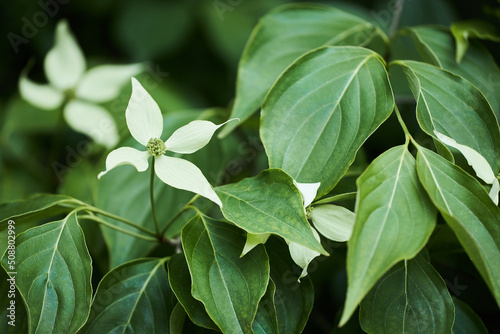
{"x": 308, "y": 212}
{"x": 156, "y": 147}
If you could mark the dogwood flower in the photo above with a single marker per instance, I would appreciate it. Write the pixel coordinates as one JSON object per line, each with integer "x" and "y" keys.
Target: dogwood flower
{"x": 76, "y": 90}
{"x": 477, "y": 162}
{"x": 332, "y": 221}
{"x": 145, "y": 122}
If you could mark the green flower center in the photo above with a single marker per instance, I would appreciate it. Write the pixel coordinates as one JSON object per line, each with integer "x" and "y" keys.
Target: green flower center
{"x": 156, "y": 147}
{"x": 70, "y": 94}
{"x": 309, "y": 212}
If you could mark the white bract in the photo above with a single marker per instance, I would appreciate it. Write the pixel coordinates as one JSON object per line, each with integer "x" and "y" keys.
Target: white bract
{"x": 477, "y": 162}
{"x": 145, "y": 122}
{"x": 77, "y": 90}
{"x": 334, "y": 222}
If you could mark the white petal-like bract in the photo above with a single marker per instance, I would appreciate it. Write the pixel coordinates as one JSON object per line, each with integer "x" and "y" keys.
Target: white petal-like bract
{"x": 253, "y": 240}
{"x": 191, "y": 137}
{"x": 103, "y": 83}
{"x": 334, "y": 222}
{"x": 126, "y": 156}
{"x": 43, "y": 96}
{"x": 302, "y": 255}
{"x": 182, "y": 174}
{"x": 308, "y": 191}
{"x": 64, "y": 63}
{"x": 144, "y": 118}
{"x": 92, "y": 120}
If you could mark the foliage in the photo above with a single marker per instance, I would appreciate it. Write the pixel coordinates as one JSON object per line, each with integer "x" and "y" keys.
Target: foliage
{"x": 352, "y": 125}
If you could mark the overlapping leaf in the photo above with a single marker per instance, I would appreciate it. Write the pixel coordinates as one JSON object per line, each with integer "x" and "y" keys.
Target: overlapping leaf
{"x": 466, "y": 320}
{"x": 230, "y": 287}
{"x": 394, "y": 219}
{"x": 321, "y": 110}
{"x": 283, "y": 35}
{"x": 53, "y": 276}
{"x": 269, "y": 203}
{"x": 454, "y": 107}
{"x": 134, "y": 297}
{"x": 36, "y": 207}
{"x": 468, "y": 210}
{"x": 266, "y": 321}
{"x": 437, "y": 47}
{"x": 410, "y": 298}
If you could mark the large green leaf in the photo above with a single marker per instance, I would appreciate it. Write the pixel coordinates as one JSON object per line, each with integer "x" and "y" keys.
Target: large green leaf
{"x": 134, "y": 297}
{"x": 285, "y": 34}
{"x": 53, "y": 276}
{"x": 266, "y": 321}
{"x": 230, "y": 287}
{"x": 180, "y": 281}
{"x": 293, "y": 300}
{"x": 466, "y": 320}
{"x": 410, "y": 298}
{"x": 437, "y": 47}
{"x": 321, "y": 110}
{"x": 454, "y": 107}
{"x": 269, "y": 203}
{"x": 394, "y": 220}
{"x": 125, "y": 192}
{"x": 37, "y": 207}
{"x": 468, "y": 210}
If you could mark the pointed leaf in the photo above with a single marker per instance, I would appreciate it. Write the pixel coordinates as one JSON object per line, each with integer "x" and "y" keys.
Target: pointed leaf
{"x": 53, "y": 276}
{"x": 283, "y": 35}
{"x": 266, "y": 321}
{"x": 293, "y": 300}
{"x": 134, "y": 297}
{"x": 394, "y": 220}
{"x": 464, "y": 30}
{"x": 230, "y": 287}
{"x": 321, "y": 110}
{"x": 180, "y": 281}
{"x": 269, "y": 203}
{"x": 436, "y": 45}
{"x": 454, "y": 107}
{"x": 303, "y": 256}
{"x": 36, "y": 207}
{"x": 468, "y": 210}
{"x": 410, "y": 298}
{"x": 466, "y": 321}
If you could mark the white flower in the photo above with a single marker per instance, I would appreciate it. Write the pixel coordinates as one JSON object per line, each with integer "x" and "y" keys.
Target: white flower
{"x": 332, "y": 221}
{"x": 78, "y": 90}
{"x": 145, "y": 122}
{"x": 477, "y": 162}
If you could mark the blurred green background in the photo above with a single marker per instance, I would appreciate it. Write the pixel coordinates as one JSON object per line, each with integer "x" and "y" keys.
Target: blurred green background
{"x": 192, "y": 49}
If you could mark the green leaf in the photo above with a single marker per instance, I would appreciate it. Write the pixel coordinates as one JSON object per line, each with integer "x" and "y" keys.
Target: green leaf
{"x": 436, "y": 46}
{"x": 410, "y": 298}
{"x": 269, "y": 203}
{"x": 180, "y": 282}
{"x": 464, "y": 30}
{"x": 321, "y": 110}
{"x": 283, "y": 35}
{"x": 37, "y": 207}
{"x": 266, "y": 321}
{"x": 466, "y": 320}
{"x": 468, "y": 210}
{"x": 230, "y": 287}
{"x": 293, "y": 300}
{"x": 177, "y": 318}
{"x": 53, "y": 276}
{"x": 394, "y": 220}
{"x": 134, "y": 297}
{"x": 454, "y": 107}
